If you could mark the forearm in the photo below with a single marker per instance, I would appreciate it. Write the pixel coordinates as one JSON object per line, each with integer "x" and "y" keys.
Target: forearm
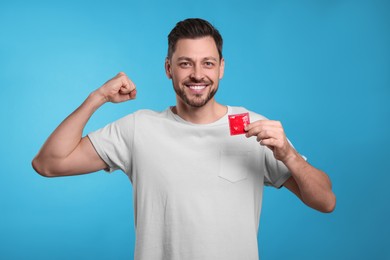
{"x": 66, "y": 137}
{"x": 314, "y": 186}
{"x": 311, "y": 185}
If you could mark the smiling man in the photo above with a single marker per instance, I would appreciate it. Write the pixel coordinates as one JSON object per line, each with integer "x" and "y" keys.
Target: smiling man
{"x": 197, "y": 189}
{"x": 195, "y": 65}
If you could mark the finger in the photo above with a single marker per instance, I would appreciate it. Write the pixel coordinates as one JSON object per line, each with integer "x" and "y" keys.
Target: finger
{"x": 254, "y": 131}
{"x": 127, "y": 85}
{"x": 265, "y": 131}
{"x": 133, "y": 94}
{"x": 265, "y": 134}
{"x": 126, "y": 88}
{"x": 270, "y": 142}
{"x": 263, "y": 123}
{"x": 129, "y": 96}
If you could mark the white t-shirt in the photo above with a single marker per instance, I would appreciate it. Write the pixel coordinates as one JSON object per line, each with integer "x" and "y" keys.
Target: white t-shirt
{"x": 197, "y": 189}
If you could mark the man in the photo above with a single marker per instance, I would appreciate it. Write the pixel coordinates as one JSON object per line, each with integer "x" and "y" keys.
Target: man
{"x": 197, "y": 189}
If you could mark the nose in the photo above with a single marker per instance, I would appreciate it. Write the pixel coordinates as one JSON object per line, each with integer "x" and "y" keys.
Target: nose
{"x": 197, "y": 73}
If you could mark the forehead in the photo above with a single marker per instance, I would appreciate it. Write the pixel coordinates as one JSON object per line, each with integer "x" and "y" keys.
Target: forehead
{"x": 196, "y": 48}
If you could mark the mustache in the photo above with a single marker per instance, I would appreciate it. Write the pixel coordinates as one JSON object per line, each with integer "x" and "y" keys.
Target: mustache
{"x": 195, "y": 81}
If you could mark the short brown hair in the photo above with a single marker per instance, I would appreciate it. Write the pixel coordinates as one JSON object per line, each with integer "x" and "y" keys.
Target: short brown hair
{"x": 193, "y": 28}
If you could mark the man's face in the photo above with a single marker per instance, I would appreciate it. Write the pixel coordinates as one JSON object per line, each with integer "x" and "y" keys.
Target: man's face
{"x": 195, "y": 69}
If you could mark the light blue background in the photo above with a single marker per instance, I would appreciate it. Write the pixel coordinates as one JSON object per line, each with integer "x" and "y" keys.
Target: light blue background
{"x": 321, "y": 67}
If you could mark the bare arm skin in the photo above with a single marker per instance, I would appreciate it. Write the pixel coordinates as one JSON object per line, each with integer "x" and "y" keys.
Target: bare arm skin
{"x": 66, "y": 152}
{"x": 311, "y": 185}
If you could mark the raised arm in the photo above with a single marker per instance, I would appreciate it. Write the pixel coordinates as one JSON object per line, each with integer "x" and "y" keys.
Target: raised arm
{"x": 66, "y": 152}
{"x": 311, "y": 185}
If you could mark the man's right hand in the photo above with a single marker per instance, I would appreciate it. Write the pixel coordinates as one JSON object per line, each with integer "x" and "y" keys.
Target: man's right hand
{"x": 118, "y": 89}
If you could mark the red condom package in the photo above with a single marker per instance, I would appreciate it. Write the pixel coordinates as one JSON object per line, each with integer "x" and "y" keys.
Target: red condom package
{"x": 237, "y": 123}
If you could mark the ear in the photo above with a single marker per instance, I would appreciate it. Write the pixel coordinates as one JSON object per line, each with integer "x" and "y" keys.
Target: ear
{"x": 168, "y": 68}
{"x": 221, "y": 68}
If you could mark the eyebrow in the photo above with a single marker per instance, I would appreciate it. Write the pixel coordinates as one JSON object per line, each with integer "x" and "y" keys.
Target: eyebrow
{"x": 184, "y": 58}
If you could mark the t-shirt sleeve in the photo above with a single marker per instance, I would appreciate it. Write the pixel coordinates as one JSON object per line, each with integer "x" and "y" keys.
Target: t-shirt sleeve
{"x": 114, "y": 143}
{"x": 276, "y": 173}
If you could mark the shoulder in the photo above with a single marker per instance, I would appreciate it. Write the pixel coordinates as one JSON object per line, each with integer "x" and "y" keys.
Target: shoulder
{"x": 147, "y": 113}
{"x": 252, "y": 115}
{"x": 143, "y": 116}
{"x": 144, "y": 113}
{"x": 137, "y": 115}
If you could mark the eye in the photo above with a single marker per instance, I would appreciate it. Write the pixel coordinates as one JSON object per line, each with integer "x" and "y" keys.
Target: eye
{"x": 184, "y": 64}
{"x": 209, "y": 64}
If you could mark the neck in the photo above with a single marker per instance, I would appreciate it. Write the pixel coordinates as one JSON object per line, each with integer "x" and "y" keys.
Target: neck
{"x": 206, "y": 114}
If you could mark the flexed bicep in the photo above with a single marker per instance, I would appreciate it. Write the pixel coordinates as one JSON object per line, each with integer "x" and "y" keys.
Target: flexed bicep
{"x": 84, "y": 159}
{"x": 66, "y": 152}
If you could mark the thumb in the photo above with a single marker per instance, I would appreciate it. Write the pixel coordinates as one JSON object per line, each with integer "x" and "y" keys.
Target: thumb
{"x": 127, "y": 85}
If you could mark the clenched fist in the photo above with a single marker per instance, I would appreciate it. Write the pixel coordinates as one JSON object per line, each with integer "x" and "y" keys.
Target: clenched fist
{"x": 118, "y": 89}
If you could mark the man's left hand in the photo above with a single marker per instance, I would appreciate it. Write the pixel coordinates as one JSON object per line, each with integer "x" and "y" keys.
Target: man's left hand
{"x": 271, "y": 134}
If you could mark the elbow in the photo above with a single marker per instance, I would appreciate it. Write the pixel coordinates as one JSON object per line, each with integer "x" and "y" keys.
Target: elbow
{"x": 40, "y": 168}
{"x": 324, "y": 205}
{"x": 330, "y": 205}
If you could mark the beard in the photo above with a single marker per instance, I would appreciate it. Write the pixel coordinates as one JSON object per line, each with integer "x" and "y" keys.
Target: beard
{"x": 197, "y": 100}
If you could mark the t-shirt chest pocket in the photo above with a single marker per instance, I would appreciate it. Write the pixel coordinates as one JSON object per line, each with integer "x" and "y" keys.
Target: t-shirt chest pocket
{"x": 234, "y": 165}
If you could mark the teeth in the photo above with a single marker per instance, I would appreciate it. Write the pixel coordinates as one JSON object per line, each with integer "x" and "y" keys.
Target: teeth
{"x": 197, "y": 87}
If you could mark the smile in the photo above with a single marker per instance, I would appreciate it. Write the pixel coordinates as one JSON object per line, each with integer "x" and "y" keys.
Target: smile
{"x": 196, "y": 87}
